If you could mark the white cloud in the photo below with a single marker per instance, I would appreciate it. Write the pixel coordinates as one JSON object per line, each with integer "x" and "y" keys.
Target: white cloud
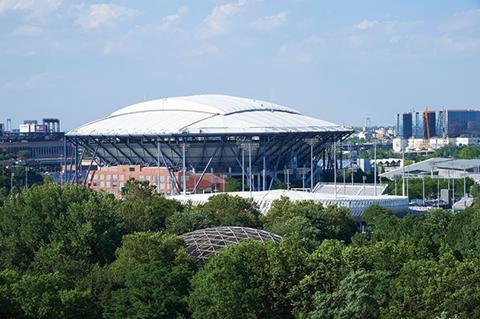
{"x": 205, "y": 50}
{"x": 108, "y": 48}
{"x": 28, "y": 30}
{"x": 101, "y": 14}
{"x": 38, "y": 80}
{"x": 28, "y": 5}
{"x": 466, "y": 20}
{"x": 366, "y": 24}
{"x": 270, "y": 22}
{"x": 168, "y": 21}
{"x": 217, "y": 22}
{"x": 460, "y": 33}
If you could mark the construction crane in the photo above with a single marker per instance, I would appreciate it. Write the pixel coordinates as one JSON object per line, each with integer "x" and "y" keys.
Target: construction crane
{"x": 427, "y": 129}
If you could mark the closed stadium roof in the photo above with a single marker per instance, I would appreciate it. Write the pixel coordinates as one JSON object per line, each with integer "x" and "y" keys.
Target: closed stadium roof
{"x": 204, "y": 114}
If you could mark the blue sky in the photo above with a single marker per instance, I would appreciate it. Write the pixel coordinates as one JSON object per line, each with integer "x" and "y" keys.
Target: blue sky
{"x": 337, "y": 60}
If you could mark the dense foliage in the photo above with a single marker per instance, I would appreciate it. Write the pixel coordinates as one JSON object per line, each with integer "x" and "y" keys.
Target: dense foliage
{"x": 464, "y": 151}
{"x": 68, "y": 252}
{"x": 17, "y": 177}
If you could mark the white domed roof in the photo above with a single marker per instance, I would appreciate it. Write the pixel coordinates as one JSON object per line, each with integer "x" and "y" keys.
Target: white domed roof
{"x": 203, "y": 114}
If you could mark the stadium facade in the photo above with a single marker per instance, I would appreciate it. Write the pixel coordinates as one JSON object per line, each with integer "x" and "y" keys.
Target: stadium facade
{"x": 220, "y": 134}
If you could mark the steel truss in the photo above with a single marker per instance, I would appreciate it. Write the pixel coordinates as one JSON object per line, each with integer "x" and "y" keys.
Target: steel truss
{"x": 221, "y": 153}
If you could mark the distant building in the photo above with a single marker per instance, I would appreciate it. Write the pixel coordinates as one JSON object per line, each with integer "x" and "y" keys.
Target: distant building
{"x": 404, "y": 125}
{"x": 441, "y": 124}
{"x": 112, "y": 179}
{"x": 37, "y": 143}
{"x": 364, "y": 165}
{"x": 421, "y": 145}
{"x": 461, "y": 123}
{"x": 430, "y": 130}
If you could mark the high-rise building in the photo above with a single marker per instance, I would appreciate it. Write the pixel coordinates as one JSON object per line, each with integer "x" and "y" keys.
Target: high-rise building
{"x": 442, "y": 124}
{"x": 404, "y": 125}
{"x": 462, "y": 123}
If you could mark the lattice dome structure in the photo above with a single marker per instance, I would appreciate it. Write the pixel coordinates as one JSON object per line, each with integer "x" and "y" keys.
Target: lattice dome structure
{"x": 201, "y": 244}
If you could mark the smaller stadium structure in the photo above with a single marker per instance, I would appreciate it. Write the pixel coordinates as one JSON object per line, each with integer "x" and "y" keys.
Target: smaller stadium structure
{"x": 357, "y": 204}
{"x": 201, "y": 244}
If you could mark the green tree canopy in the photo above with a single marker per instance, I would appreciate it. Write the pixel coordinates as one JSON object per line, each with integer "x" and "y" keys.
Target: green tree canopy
{"x": 310, "y": 220}
{"x": 234, "y": 284}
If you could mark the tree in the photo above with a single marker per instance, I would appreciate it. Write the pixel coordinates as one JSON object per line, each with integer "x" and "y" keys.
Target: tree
{"x": 234, "y": 284}
{"x": 151, "y": 277}
{"x": 147, "y": 213}
{"x": 135, "y": 189}
{"x": 228, "y": 210}
{"x": 429, "y": 288}
{"x": 310, "y": 219}
{"x": 323, "y": 274}
{"x": 287, "y": 266}
{"x": 233, "y": 185}
{"x": 49, "y": 224}
{"x": 52, "y": 296}
{"x": 219, "y": 210}
{"x": 382, "y": 223}
{"x": 190, "y": 219}
{"x": 360, "y": 294}
{"x": 151, "y": 290}
{"x": 145, "y": 247}
{"x": 9, "y": 308}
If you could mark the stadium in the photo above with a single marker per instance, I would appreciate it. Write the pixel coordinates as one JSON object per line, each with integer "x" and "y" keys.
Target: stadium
{"x": 259, "y": 142}
{"x": 217, "y": 133}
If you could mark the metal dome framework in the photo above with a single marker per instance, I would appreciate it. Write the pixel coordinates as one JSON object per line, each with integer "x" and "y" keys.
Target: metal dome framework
{"x": 208, "y": 132}
{"x": 201, "y": 244}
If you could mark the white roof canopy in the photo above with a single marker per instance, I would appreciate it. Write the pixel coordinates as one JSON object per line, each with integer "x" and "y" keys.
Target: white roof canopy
{"x": 204, "y": 114}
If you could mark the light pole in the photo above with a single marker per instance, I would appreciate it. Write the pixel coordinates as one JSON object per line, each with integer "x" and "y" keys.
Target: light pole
{"x": 250, "y": 168}
{"x": 423, "y": 190}
{"x": 351, "y": 162}
{"x": 243, "y": 145}
{"x": 438, "y": 192}
{"x": 335, "y": 168}
{"x": 395, "y": 181}
{"x": 311, "y": 142}
{"x": 364, "y": 178}
{"x": 243, "y": 169}
{"x": 251, "y": 146}
{"x": 184, "y": 169}
{"x": 12, "y": 175}
{"x": 453, "y": 194}
{"x": 26, "y": 176}
{"x": 403, "y": 167}
{"x": 375, "y": 167}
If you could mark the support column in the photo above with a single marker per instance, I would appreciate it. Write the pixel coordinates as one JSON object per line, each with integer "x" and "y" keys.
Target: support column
{"x": 264, "y": 172}
{"x": 76, "y": 162}
{"x": 184, "y": 169}
{"x": 158, "y": 166}
{"x": 64, "y": 175}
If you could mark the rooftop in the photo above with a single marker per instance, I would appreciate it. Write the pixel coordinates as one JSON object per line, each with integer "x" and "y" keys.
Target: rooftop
{"x": 204, "y": 114}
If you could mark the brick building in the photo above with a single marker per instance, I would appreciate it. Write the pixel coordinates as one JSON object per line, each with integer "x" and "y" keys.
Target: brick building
{"x": 112, "y": 179}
